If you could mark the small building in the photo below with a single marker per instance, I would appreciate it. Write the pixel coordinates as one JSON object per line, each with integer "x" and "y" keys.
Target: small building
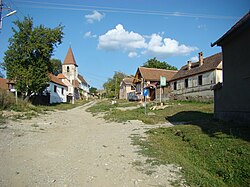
{"x": 83, "y": 86}
{"x": 232, "y": 98}
{"x": 7, "y": 85}
{"x": 194, "y": 81}
{"x": 126, "y": 87}
{"x": 149, "y": 78}
{"x": 57, "y": 90}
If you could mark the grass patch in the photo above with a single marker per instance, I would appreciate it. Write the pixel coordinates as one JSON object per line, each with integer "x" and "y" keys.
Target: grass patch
{"x": 210, "y": 154}
{"x": 176, "y": 111}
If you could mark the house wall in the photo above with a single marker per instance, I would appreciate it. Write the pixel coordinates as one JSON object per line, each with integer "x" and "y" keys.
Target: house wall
{"x": 58, "y": 96}
{"x": 124, "y": 90}
{"x": 194, "y": 91}
{"x": 232, "y": 101}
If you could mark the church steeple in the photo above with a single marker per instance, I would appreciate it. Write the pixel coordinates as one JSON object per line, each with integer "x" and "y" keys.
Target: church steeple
{"x": 70, "y": 59}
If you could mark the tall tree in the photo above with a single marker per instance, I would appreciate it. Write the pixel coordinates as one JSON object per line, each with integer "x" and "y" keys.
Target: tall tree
{"x": 112, "y": 86}
{"x": 27, "y": 60}
{"x": 154, "y": 63}
{"x": 56, "y": 66}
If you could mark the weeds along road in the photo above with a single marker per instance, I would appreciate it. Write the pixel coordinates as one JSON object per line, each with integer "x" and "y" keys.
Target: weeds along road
{"x": 73, "y": 148}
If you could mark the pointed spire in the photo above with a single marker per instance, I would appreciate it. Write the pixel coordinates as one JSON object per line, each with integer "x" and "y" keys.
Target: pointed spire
{"x": 69, "y": 59}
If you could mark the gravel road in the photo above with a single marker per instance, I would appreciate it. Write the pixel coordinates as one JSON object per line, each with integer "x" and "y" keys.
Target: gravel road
{"x": 73, "y": 148}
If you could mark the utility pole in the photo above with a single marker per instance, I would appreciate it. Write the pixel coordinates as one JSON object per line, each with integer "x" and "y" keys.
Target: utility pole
{"x": 7, "y": 15}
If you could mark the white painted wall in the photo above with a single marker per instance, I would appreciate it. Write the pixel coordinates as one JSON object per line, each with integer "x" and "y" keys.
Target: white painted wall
{"x": 58, "y": 96}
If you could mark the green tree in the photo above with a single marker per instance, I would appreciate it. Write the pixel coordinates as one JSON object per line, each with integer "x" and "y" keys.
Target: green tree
{"x": 56, "y": 66}
{"x": 154, "y": 63}
{"x": 93, "y": 90}
{"x": 27, "y": 60}
{"x": 112, "y": 86}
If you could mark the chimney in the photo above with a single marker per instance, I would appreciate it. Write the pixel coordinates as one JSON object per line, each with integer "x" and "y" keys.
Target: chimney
{"x": 189, "y": 64}
{"x": 200, "y": 58}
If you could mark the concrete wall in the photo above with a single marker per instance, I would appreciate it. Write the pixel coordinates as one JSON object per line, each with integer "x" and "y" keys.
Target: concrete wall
{"x": 232, "y": 101}
{"x": 194, "y": 91}
{"x": 124, "y": 90}
{"x": 73, "y": 72}
{"x": 58, "y": 96}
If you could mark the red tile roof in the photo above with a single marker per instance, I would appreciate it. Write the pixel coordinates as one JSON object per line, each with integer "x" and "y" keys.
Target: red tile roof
{"x": 209, "y": 63}
{"x": 69, "y": 59}
{"x": 75, "y": 83}
{"x": 153, "y": 74}
{"x": 3, "y": 84}
{"x": 61, "y": 76}
{"x": 54, "y": 79}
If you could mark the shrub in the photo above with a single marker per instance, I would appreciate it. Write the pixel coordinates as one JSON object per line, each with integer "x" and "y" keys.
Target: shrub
{"x": 6, "y": 99}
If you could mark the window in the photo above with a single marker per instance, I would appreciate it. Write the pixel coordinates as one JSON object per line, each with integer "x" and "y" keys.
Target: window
{"x": 186, "y": 83}
{"x": 55, "y": 88}
{"x": 200, "y": 80}
{"x": 67, "y": 68}
{"x": 62, "y": 90}
{"x": 175, "y": 85}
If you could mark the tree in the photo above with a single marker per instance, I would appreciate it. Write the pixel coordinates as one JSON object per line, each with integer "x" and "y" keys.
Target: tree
{"x": 27, "y": 60}
{"x": 93, "y": 90}
{"x": 112, "y": 86}
{"x": 154, "y": 63}
{"x": 56, "y": 66}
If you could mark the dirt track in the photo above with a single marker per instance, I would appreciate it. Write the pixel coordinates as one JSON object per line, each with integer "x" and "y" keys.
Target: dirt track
{"x": 73, "y": 148}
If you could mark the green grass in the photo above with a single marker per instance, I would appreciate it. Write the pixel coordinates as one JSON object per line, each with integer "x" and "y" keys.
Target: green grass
{"x": 210, "y": 153}
{"x": 175, "y": 112}
{"x": 25, "y": 110}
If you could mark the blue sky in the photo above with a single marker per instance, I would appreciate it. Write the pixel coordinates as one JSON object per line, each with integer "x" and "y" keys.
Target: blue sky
{"x": 117, "y": 35}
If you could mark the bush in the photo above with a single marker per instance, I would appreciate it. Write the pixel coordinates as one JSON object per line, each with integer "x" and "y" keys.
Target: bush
{"x": 6, "y": 99}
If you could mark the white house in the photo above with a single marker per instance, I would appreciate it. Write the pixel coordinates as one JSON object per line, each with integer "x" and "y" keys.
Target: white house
{"x": 194, "y": 81}
{"x": 57, "y": 90}
{"x": 77, "y": 86}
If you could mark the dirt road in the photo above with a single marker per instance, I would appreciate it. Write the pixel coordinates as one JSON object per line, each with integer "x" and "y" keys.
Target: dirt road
{"x": 73, "y": 148}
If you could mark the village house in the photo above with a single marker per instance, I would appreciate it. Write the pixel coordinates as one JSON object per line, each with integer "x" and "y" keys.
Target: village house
{"x": 7, "y": 85}
{"x": 194, "y": 81}
{"x": 126, "y": 87}
{"x": 149, "y": 78}
{"x": 232, "y": 98}
{"x": 57, "y": 90}
{"x": 77, "y": 85}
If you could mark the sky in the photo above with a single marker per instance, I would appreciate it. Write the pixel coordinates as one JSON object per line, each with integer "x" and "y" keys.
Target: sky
{"x": 117, "y": 35}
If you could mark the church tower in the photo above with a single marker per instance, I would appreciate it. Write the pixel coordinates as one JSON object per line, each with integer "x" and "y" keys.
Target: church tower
{"x": 69, "y": 66}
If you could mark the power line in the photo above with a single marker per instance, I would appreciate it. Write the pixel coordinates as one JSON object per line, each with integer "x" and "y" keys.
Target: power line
{"x": 61, "y": 6}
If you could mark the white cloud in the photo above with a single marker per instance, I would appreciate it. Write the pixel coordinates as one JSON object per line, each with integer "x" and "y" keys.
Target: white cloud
{"x": 132, "y": 54}
{"x": 132, "y": 43}
{"x": 194, "y": 59}
{"x": 89, "y": 35}
{"x": 95, "y": 16}
{"x": 119, "y": 38}
{"x": 166, "y": 47}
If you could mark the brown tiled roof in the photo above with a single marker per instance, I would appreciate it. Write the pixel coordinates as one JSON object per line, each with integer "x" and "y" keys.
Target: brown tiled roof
{"x": 3, "y": 84}
{"x": 54, "y": 79}
{"x": 128, "y": 80}
{"x": 69, "y": 59}
{"x": 242, "y": 24}
{"x": 153, "y": 74}
{"x": 82, "y": 79}
{"x": 61, "y": 76}
{"x": 209, "y": 63}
